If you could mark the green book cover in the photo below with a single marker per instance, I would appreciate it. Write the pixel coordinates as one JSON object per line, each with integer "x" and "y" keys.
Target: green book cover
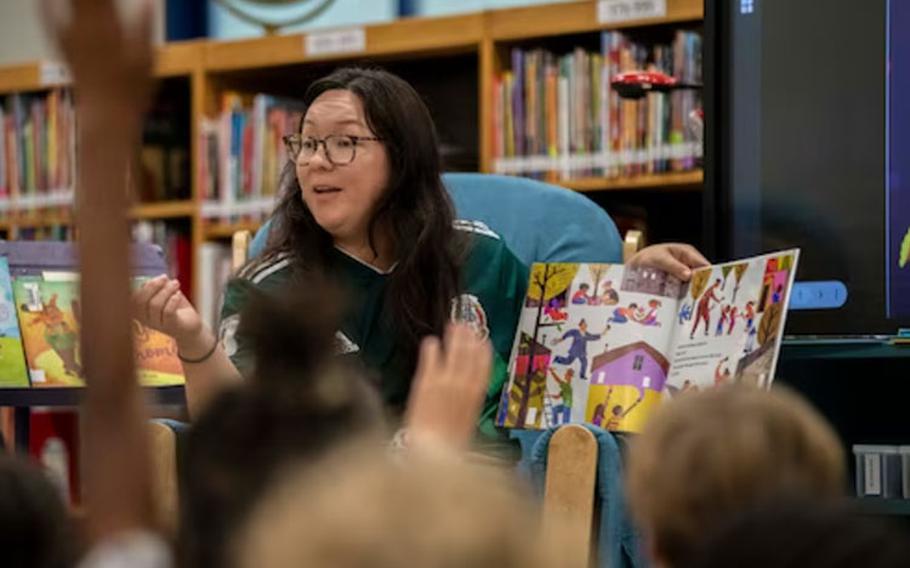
{"x": 49, "y": 316}
{"x": 13, "y": 372}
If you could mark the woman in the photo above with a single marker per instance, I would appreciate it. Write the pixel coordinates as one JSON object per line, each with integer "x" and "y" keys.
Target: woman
{"x": 363, "y": 205}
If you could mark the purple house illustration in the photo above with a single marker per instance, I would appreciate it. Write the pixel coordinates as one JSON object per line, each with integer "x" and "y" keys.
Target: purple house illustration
{"x": 638, "y": 365}
{"x": 522, "y": 362}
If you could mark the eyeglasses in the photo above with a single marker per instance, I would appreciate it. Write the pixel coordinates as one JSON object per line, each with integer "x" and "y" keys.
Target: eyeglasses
{"x": 340, "y": 149}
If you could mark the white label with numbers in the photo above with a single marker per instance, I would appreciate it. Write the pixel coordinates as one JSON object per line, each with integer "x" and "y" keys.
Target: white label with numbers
{"x": 53, "y": 73}
{"x": 872, "y": 474}
{"x": 349, "y": 40}
{"x": 615, "y": 11}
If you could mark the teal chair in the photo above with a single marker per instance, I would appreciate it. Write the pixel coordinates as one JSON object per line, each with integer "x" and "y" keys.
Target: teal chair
{"x": 540, "y": 222}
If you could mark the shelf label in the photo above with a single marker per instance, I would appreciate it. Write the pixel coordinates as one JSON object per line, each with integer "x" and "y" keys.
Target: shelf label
{"x": 334, "y": 42}
{"x": 53, "y": 73}
{"x": 615, "y": 11}
{"x": 872, "y": 474}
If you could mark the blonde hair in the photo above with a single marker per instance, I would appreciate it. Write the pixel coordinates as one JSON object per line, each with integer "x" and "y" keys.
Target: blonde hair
{"x": 707, "y": 455}
{"x": 362, "y": 509}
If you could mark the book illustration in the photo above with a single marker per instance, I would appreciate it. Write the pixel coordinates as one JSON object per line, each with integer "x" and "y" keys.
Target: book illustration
{"x": 156, "y": 358}
{"x": 626, "y": 379}
{"x": 904, "y": 258}
{"x": 746, "y": 302}
{"x": 587, "y": 351}
{"x": 49, "y": 315}
{"x": 13, "y": 371}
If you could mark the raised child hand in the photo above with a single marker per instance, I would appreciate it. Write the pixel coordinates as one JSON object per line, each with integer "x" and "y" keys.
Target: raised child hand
{"x": 110, "y": 60}
{"x": 449, "y": 388}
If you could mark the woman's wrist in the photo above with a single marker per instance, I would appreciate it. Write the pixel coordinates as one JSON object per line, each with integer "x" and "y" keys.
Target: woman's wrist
{"x": 197, "y": 347}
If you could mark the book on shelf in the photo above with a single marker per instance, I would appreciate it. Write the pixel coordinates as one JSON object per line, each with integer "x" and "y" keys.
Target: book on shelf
{"x": 174, "y": 242}
{"x": 164, "y": 158}
{"x": 38, "y": 149}
{"x": 606, "y": 344}
{"x": 555, "y": 116}
{"x": 48, "y": 309}
{"x": 214, "y": 269}
{"x": 54, "y": 232}
{"x": 243, "y": 155}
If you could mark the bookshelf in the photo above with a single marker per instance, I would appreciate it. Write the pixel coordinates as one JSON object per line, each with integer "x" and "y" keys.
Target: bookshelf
{"x": 551, "y": 20}
{"x": 452, "y": 61}
{"x": 675, "y": 181}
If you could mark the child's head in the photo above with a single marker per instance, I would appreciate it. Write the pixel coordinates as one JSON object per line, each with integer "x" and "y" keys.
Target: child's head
{"x": 708, "y": 455}
{"x": 36, "y": 530}
{"x": 301, "y": 403}
{"x": 235, "y": 450}
{"x": 367, "y": 510}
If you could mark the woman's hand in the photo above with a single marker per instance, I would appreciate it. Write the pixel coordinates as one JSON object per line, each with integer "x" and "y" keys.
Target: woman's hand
{"x": 159, "y": 304}
{"x": 675, "y": 258}
{"x": 449, "y": 388}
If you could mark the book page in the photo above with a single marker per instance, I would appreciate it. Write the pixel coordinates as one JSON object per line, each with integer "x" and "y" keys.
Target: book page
{"x": 592, "y": 345}
{"x": 730, "y": 323}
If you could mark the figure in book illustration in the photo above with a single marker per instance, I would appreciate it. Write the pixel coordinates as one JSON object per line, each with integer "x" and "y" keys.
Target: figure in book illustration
{"x": 563, "y": 410}
{"x": 703, "y": 307}
{"x": 49, "y": 315}
{"x": 664, "y": 336}
{"x": 578, "y": 349}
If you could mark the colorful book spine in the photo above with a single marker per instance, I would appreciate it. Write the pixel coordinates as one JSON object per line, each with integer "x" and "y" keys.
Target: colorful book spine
{"x": 37, "y": 143}
{"x": 244, "y": 154}
{"x": 558, "y": 116}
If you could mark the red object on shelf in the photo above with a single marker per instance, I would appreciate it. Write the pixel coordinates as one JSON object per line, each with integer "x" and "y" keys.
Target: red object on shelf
{"x": 636, "y": 84}
{"x": 53, "y": 442}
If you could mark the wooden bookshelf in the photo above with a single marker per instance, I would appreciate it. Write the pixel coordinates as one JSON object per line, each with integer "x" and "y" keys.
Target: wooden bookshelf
{"x": 214, "y": 230}
{"x": 25, "y": 77}
{"x": 676, "y": 181}
{"x": 164, "y": 210}
{"x": 419, "y": 37}
{"x": 171, "y": 60}
{"x": 178, "y": 58}
{"x": 64, "y": 216}
{"x": 562, "y": 19}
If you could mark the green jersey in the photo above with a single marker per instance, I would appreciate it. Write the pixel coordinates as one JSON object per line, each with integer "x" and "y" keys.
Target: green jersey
{"x": 493, "y": 288}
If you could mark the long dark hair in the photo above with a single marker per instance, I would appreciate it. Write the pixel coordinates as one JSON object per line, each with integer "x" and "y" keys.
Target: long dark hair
{"x": 415, "y": 208}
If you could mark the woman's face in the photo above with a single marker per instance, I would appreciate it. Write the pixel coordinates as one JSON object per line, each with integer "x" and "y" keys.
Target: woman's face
{"x": 342, "y": 198}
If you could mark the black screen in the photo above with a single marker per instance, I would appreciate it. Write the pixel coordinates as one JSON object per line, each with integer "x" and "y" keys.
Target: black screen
{"x": 805, "y": 153}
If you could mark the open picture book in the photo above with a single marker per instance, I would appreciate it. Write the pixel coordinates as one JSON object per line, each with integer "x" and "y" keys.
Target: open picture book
{"x": 604, "y": 344}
